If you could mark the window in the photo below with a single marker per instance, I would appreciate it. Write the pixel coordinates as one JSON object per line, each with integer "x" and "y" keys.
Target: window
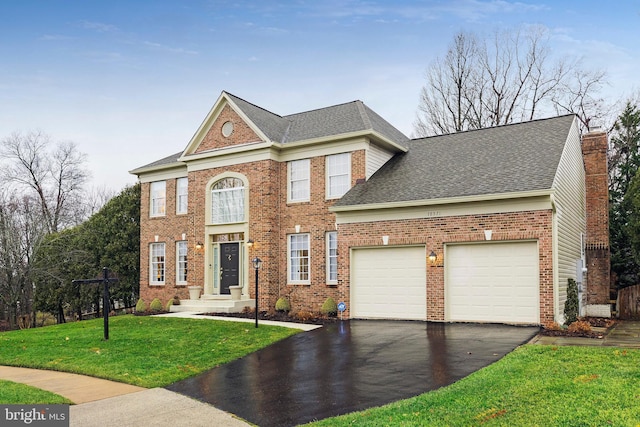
{"x": 299, "y": 258}
{"x": 181, "y": 262}
{"x": 182, "y": 195}
{"x": 332, "y": 257}
{"x": 156, "y": 252}
{"x": 299, "y": 180}
{"x": 338, "y": 175}
{"x": 227, "y": 201}
{"x": 158, "y": 198}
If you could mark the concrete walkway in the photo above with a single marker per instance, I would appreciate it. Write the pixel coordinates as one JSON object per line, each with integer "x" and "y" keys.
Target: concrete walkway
{"x": 625, "y": 333}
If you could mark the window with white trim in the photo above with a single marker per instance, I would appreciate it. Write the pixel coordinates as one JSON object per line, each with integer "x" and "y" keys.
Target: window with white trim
{"x": 157, "y": 264}
{"x": 298, "y": 258}
{"x": 227, "y": 201}
{"x": 158, "y": 190}
{"x": 332, "y": 257}
{"x": 299, "y": 182}
{"x": 181, "y": 262}
{"x": 182, "y": 195}
{"x": 338, "y": 175}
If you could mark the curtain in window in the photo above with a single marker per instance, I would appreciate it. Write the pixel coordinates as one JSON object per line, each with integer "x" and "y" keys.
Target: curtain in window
{"x": 227, "y": 201}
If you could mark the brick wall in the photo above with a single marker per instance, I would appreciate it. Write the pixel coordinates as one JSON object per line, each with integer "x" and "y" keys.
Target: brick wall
{"x": 597, "y": 252}
{"x": 169, "y": 230}
{"x": 241, "y": 134}
{"x": 436, "y": 232}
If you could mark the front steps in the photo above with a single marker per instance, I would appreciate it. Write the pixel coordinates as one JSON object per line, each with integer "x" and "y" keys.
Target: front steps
{"x": 213, "y": 304}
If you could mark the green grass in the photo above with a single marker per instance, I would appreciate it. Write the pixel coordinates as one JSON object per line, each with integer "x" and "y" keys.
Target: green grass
{"x": 533, "y": 386}
{"x": 14, "y": 393}
{"x": 144, "y": 351}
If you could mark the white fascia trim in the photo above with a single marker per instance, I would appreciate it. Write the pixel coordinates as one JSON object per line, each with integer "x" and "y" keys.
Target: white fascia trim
{"x": 366, "y": 134}
{"x": 163, "y": 174}
{"x": 443, "y": 201}
{"x": 157, "y": 168}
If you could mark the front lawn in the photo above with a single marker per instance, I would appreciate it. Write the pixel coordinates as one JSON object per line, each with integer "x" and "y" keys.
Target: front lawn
{"x": 533, "y": 386}
{"x": 145, "y": 351}
{"x": 15, "y": 393}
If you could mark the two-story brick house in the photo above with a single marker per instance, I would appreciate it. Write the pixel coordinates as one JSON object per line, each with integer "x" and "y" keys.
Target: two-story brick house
{"x": 485, "y": 225}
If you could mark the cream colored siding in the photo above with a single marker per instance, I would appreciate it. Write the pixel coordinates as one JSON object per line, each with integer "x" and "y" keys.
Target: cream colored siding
{"x": 376, "y": 157}
{"x": 569, "y": 219}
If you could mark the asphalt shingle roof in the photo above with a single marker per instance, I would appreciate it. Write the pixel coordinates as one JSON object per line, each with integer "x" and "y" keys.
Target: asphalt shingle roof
{"x": 324, "y": 122}
{"x": 331, "y": 121}
{"x": 512, "y": 158}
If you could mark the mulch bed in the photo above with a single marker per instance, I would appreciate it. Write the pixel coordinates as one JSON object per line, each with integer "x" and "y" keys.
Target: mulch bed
{"x": 280, "y": 317}
{"x": 595, "y": 322}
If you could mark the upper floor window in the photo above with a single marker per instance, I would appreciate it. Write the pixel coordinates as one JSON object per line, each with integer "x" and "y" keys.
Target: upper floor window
{"x": 227, "y": 201}
{"x": 299, "y": 180}
{"x": 158, "y": 198}
{"x": 338, "y": 175}
{"x": 182, "y": 195}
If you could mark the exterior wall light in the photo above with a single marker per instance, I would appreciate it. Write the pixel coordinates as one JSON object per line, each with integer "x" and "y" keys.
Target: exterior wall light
{"x": 199, "y": 246}
{"x": 250, "y": 243}
{"x": 433, "y": 257}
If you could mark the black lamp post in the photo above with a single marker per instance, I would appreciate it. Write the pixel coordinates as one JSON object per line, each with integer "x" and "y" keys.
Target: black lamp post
{"x": 257, "y": 263}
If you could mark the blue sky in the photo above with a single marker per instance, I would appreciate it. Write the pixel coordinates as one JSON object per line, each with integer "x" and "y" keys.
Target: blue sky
{"x": 130, "y": 81}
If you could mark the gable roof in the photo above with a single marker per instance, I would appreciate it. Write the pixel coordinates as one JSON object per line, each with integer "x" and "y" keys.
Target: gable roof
{"x": 505, "y": 159}
{"x": 343, "y": 120}
{"x": 325, "y": 122}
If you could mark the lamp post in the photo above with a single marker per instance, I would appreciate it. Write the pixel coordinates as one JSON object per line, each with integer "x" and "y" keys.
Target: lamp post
{"x": 257, "y": 263}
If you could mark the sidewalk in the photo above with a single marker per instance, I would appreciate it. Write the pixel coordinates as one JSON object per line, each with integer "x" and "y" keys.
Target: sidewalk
{"x": 106, "y": 403}
{"x": 626, "y": 333}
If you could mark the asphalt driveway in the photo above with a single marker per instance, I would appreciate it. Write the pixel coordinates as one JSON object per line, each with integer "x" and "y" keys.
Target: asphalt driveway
{"x": 350, "y": 366}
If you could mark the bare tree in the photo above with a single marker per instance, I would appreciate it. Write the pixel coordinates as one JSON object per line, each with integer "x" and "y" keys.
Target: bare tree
{"x": 55, "y": 176}
{"x": 500, "y": 80}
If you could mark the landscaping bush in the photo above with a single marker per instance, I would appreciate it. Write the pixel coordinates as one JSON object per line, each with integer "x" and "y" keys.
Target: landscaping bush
{"x": 571, "y": 304}
{"x": 282, "y": 305}
{"x": 169, "y": 304}
{"x": 155, "y": 305}
{"x": 141, "y": 306}
{"x": 580, "y": 326}
{"x": 330, "y": 308}
{"x": 304, "y": 316}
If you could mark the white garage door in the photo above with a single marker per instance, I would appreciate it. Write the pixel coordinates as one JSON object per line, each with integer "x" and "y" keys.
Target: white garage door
{"x": 389, "y": 283}
{"x": 492, "y": 282}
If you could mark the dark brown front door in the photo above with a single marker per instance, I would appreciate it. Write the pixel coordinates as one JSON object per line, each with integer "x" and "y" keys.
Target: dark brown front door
{"x": 229, "y": 256}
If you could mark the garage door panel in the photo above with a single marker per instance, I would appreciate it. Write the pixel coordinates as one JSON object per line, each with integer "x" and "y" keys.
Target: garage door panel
{"x": 388, "y": 283}
{"x": 492, "y": 282}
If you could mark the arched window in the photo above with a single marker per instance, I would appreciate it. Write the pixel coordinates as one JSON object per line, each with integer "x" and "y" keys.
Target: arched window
{"x": 227, "y": 201}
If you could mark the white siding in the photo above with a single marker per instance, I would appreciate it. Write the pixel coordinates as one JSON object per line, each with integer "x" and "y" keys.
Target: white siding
{"x": 569, "y": 193}
{"x": 376, "y": 157}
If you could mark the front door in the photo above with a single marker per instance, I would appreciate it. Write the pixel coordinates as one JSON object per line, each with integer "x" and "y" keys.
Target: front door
{"x": 229, "y": 263}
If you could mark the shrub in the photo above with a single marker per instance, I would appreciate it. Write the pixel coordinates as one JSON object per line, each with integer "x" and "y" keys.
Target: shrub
{"x": 169, "y": 304}
{"x": 155, "y": 305}
{"x": 141, "y": 306}
{"x": 571, "y": 304}
{"x": 282, "y": 305}
{"x": 176, "y": 300}
{"x": 552, "y": 326}
{"x": 330, "y": 308}
{"x": 304, "y": 316}
{"x": 580, "y": 326}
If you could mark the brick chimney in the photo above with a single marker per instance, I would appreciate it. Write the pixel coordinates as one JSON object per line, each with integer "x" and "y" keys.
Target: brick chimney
{"x": 594, "y": 153}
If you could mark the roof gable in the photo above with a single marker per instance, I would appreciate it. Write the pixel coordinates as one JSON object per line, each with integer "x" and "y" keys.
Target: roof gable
{"x": 506, "y": 159}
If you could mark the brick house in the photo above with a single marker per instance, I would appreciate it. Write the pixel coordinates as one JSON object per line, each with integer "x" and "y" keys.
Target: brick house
{"x": 481, "y": 226}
